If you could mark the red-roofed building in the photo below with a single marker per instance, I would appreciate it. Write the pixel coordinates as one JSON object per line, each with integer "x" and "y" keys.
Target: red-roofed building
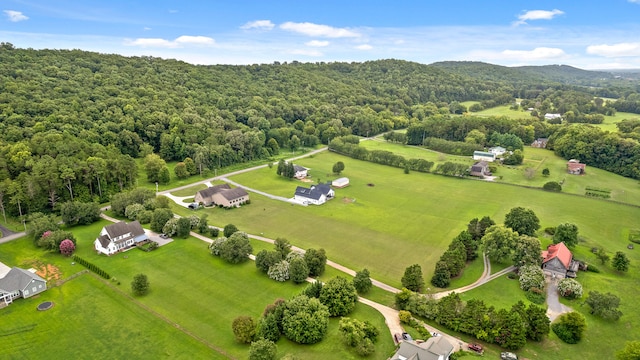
{"x": 557, "y": 260}
{"x": 575, "y": 167}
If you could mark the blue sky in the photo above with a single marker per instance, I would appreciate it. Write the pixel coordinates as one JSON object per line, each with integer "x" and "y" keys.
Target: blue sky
{"x": 587, "y": 34}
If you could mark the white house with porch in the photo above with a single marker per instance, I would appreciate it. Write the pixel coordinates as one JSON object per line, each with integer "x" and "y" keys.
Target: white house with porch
{"x": 119, "y": 236}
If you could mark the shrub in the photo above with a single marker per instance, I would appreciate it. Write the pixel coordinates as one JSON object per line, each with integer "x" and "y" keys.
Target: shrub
{"x": 570, "y": 327}
{"x": 405, "y": 316}
{"x": 592, "y": 268}
{"x": 570, "y": 288}
{"x": 244, "y": 329}
{"x": 536, "y": 296}
{"x": 67, "y": 247}
{"x": 263, "y": 350}
{"x": 215, "y": 246}
{"x": 531, "y": 276}
{"x": 552, "y": 186}
{"x": 551, "y": 230}
{"x": 140, "y": 284}
{"x": 279, "y": 271}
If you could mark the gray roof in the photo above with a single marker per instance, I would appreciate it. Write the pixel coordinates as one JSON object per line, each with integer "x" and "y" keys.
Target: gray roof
{"x": 434, "y": 348}
{"x": 210, "y": 191}
{"x": 121, "y": 228}
{"x": 297, "y": 168}
{"x": 18, "y": 279}
{"x": 315, "y": 192}
{"x": 235, "y": 193}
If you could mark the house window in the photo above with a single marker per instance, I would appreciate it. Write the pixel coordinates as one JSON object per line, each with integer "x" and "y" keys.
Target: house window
{"x": 26, "y": 292}
{"x": 34, "y": 289}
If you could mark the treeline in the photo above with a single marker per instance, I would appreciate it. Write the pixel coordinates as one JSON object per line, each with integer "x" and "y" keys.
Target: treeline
{"x": 509, "y": 329}
{"x": 349, "y": 146}
{"x": 594, "y": 147}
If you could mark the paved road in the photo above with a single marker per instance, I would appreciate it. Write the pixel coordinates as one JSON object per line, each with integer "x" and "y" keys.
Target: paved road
{"x": 219, "y": 177}
{"x": 13, "y": 236}
{"x": 270, "y": 196}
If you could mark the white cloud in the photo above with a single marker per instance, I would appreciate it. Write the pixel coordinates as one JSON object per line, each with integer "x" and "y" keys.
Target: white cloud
{"x": 317, "y": 43}
{"x": 615, "y": 50}
{"x": 539, "y": 53}
{"x": 258, "y": 24}
{"x": 537, "y": 15}
{"x": 635, "y": 1}
{"x": 306, "y": 52}
{"x": 312, "y": 29}
{"x": 146, "y": 28}
{"x": 364, "y": 47}
{"x": 15, "y": 16}
{"x": 196, "y": 40}
{"x": 164, "y": 43}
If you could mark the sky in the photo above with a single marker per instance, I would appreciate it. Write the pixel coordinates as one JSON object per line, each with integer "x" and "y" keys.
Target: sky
{"x": 588, "y": 34}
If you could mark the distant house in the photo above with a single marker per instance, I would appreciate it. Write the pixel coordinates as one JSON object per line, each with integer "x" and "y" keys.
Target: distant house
{"x": 480, "y": 168}
{"x": 540, "y": 143}
{"x": 340, "y": 183}
{"x": 557, "y": 260}
{"x": 205, "y": 196}
{"x": 497, "y": 150}
{"x": 484, "y": 156}
{"x": 316, "y": 195}
{"x": 20, "y": 283}
{"x": 301, "y": 172}
{"x": 550, "y": 116}
{"x": 574, "y": 167}
{"x": 222, "y": 195}
{"x": 435, "y": 348}
{"x": 119, "y": 236}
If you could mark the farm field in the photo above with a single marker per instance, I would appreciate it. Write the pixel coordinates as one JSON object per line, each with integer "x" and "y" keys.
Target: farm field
{"x": 406, "y": 219}
{"x": 621, "y": 188}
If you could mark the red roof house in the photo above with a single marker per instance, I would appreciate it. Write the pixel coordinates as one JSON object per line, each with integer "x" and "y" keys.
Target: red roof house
{"x": 575, "y": 167}
{"x": 558, "y": 260}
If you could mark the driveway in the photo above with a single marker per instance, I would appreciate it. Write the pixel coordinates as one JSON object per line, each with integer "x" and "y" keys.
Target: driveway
{"x": 555, "y": 307}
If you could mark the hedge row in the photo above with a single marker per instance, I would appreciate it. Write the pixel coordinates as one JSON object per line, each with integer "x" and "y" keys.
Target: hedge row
{"x": 91, "y": 267}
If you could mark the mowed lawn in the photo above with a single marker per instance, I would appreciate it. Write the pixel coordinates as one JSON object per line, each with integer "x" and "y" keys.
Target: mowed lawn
{"x": 407, "y": 218}
{"x": 91, "y": 321}
{"x": 189, "y": 287}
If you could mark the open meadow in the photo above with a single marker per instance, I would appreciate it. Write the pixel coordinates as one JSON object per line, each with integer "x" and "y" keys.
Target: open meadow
{"x": 621, "y": 188}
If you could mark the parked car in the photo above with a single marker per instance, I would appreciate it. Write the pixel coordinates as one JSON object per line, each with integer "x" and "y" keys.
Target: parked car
{"x": 476, "y": 347}
{"x": 406, "y": 336}
{"x": 397, "y": 337}
{"x": 508, "y": 356}
{"x": 164, "y": 236}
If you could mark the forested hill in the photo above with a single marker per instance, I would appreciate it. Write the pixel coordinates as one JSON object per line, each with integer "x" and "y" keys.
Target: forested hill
{"x": 72, "y": 122}
{"x": 547, "y": 75}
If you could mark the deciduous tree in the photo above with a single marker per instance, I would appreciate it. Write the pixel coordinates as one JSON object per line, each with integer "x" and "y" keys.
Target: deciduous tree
{"x": 604, "y": 305}
{"x": 412, "y": 278}
{"x": 362, "y": 281}
{"x": 263, "y": 349}
{"x": 316, "y": 261}
{"x": 304, "y": 320}
{"x": 498, "y": 243}
{"x": 237, "y": 248}
{"x": 570, "y": 327}
{"x": 140, "y": 285}
{"x": 567, "y": 233}
{"x": 523, "y": 221}
{"x": 620, "y": 262}
{"x": 339, "y": 296}
{"x": 244, "y": 329}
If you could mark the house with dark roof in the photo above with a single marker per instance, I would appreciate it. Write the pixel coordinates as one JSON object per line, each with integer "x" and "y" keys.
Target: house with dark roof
{"x": 222, "y": 195}
{"x": 316, "y": 195}
{"x": 574, "y": 167}
{"x": 301, "y": 172}
{"x": 20, "y": 283}
{"x": 480, "y": 168}
{"x": 205, "y": 197}
{"x": 119, "y": 236}
{"x": 435, "y": 348}
{"x": 558, "y": 261}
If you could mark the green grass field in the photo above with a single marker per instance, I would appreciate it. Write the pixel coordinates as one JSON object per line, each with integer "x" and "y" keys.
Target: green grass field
{"x": 198, "y": 292}
{"x": 622, "y": 189}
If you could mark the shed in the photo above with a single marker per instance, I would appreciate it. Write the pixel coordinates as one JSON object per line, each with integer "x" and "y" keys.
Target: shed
{"x": 340, "y": 182}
